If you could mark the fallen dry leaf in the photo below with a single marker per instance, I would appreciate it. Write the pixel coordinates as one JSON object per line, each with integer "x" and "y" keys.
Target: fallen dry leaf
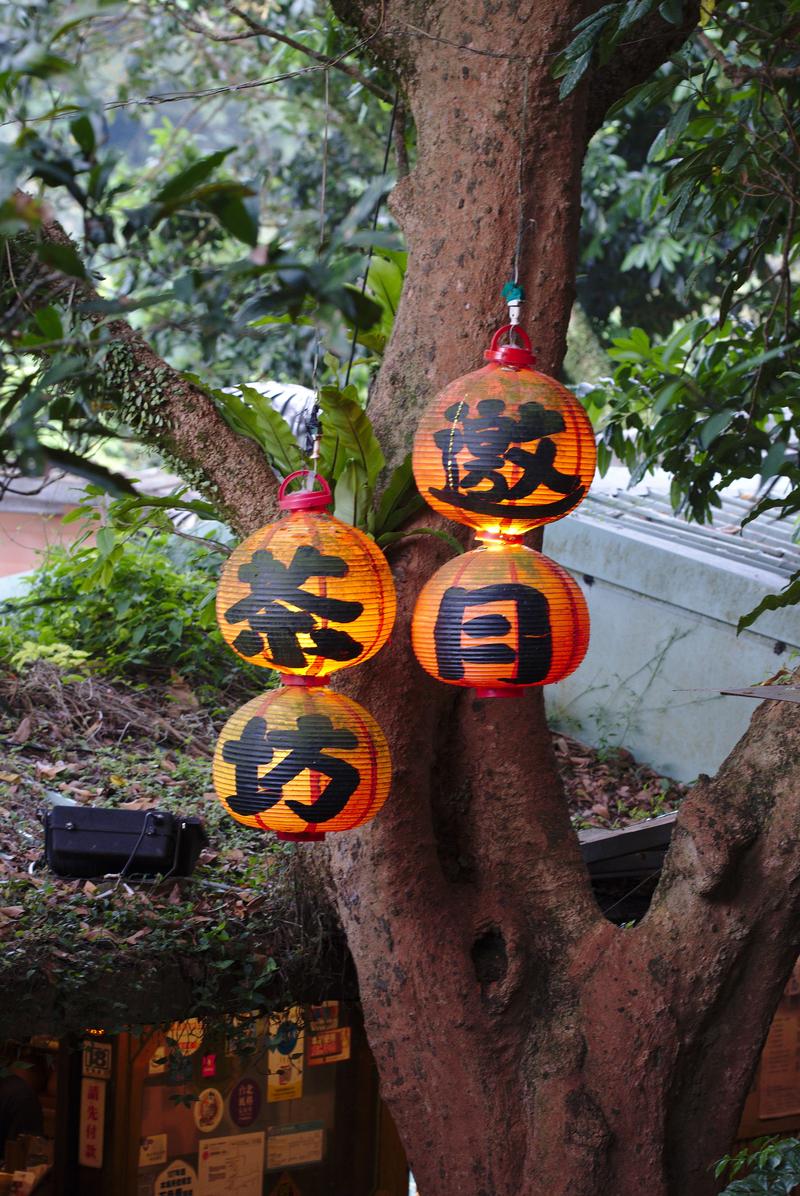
{"x": 12, "y": 911}
{"x": 50, "y": 770}
{"x": 23, "y": 731}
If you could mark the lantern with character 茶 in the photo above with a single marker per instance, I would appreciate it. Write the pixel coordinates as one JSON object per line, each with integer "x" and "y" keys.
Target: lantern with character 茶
{"x": 306, "y": 596}
{"x": 499, "y": 619}
{"x": 503, "y": 450}
{"x": 302, "y": 762}
{"x": 506, "y": 448}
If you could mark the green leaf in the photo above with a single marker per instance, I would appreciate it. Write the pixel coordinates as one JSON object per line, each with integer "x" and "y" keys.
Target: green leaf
{"x": 574, "y": 75}
{"x": 274, "y": 434}
{"x": 83, "y": 132}
{"x": 351, "y": 495}
{"x": 672, "y": 11}
{"x": 395, "y": 537}
{"x": 49, "y": 321}
{"x": 63, "y": 257}
{"x": 712, "y": 427}
{"x": 186, "y": 179}
{"x": 399, "y": 501}
{"x": 347, "y": 435}
{"x": 237, "y": 219}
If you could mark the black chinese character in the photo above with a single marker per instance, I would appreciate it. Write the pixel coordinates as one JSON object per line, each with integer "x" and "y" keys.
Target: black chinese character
{"x": 493, "y": 440}
{"x": 280, "y": 610}
{"x": 306, "y": 750}
{"x": 534, "y": 648}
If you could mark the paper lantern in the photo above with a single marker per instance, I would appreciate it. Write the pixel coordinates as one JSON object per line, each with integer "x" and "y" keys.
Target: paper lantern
{"x": 306, "y": 595}
{"x": 505, "y": 448}
{"x": 500, "y": 618}
{"x": 302, "y": 762}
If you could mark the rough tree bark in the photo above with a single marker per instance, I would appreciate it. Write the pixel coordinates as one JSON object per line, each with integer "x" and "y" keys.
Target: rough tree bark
{"x": 526, "y": 1045}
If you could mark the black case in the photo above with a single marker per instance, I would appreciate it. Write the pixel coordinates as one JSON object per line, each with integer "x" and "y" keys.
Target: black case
{"x": 86, "y": 841}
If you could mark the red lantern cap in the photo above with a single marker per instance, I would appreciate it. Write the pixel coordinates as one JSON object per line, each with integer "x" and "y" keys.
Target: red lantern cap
{"x": 300, "y": 836}
{"x": 519, "y": 356}
{"x": 304, "y": 500}
{"x": 303, "y": 679}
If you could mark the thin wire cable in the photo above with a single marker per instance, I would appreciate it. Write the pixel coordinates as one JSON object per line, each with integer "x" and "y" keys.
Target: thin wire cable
{"x": 520, "y": 180}
{"x": 314, "y": 422}
{"x": 375, "y": 216}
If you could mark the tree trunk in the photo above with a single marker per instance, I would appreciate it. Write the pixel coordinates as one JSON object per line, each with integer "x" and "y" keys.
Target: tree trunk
{"x": 526, "y": 1045}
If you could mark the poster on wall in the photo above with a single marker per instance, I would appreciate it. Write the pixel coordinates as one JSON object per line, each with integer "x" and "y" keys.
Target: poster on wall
{"x": 285, "y": 1056}
{"x": 295, "y": 1145}
{"x": 92, "y": 1123}
{"x": 779, "y": 1087}
{"x": 332, "y": 1046}
{"x": 179, "y": 1179}
{"x": 153, "y": 1150}
{"x": 187, "y": 1036}
{"x": 244, "y": 1103}
{"x": 97, "y": 1059}
{"x": 232, "y": 1165}
{"x": 324, "y": 1016}
{"x": 208, "y": 1110}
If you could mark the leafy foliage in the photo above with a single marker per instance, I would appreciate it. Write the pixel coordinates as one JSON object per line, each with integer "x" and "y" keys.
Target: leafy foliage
{"x": 772, "y": 1165}
{"x": 142, "y": 616}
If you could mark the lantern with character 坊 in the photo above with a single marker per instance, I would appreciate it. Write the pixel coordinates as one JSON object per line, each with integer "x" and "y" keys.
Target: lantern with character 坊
{"x": 302, "y": 762}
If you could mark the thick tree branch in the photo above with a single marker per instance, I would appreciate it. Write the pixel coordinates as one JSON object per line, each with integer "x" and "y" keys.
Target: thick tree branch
{"x": 164, "y": 409}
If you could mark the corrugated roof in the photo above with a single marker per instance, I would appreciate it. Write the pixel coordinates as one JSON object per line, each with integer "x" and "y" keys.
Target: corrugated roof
{"x": 766, "y": 543}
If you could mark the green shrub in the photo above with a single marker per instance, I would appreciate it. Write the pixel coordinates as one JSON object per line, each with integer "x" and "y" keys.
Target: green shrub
{"x": 772, "y": 1166}
{"x": 151, "y": 613}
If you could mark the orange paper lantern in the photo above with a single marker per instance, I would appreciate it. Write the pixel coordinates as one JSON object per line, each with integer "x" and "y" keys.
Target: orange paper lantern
{"x": 505, "y": 448}
{"x": 306, "y": 595}
{"x": 302, "y": 762}
{"x": 500, "y": 618}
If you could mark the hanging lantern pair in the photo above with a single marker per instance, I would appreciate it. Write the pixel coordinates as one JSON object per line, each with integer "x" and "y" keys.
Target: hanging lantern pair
{"x": 503, "y": 450}
{"x": 306, "y": 596}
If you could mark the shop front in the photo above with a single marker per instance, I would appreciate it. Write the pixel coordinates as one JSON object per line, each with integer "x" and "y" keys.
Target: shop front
{"x": 285, "y": 1105}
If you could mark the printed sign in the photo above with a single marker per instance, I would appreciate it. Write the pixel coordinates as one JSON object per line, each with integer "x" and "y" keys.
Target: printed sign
{"x": 332, "y": 1046}
{"x": 97, "y": 1059}
{"x": 232, "y": 1165}
{"x": 295, "y": 1145}
{"x": 153, "y": 1151}
{"x": 285, "y": 1056}
{"x": 780, "y": 1067}
{"x": 208, "y": 1109}
{"x": 208, "y": 1068}
{"x": 244, "y": 1103}
{"x": 179, "y": 1179}
{"x": 92, "y": 1123}
{"x": 187, "y": 1036}
{"x": 324, "y": 1016}
{"x": 159, "y": 1059}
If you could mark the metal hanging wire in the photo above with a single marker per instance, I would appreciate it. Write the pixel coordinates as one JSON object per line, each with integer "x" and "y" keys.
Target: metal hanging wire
{"x": 513, "y": 292}
{"x": 375, "y": 216}
{"x": 314, "y": 424}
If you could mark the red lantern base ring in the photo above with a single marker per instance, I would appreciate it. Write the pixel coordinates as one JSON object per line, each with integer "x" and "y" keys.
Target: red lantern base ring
{"x": 487, "y": 692}
{"x": 302, "y": 679}
{"x": 300, "y": 836}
